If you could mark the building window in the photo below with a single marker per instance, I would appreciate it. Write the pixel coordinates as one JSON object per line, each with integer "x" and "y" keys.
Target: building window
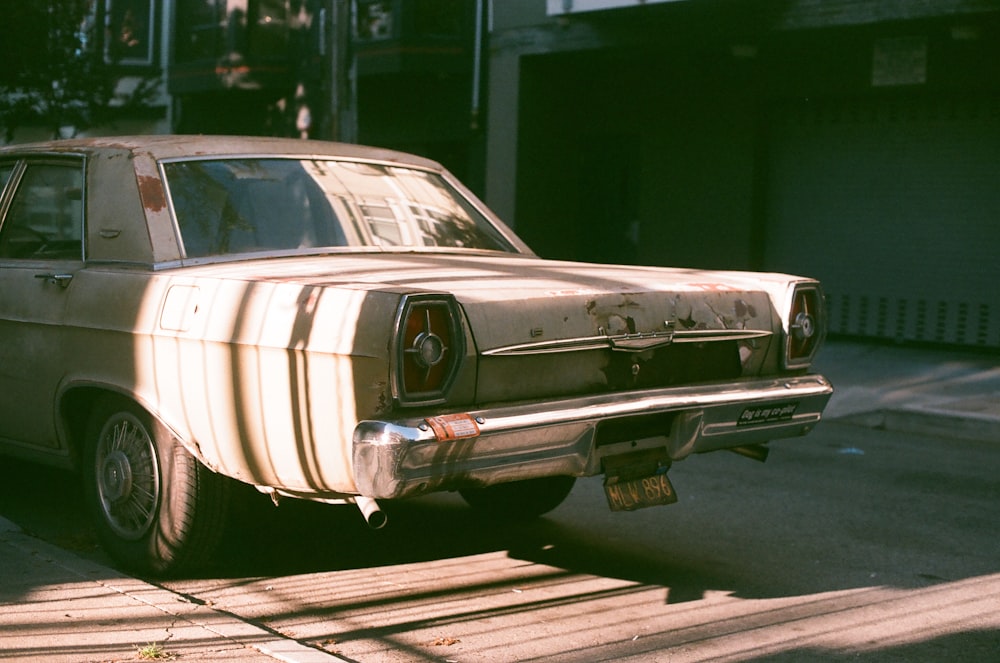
{"x": 373, "y": 20}
{"x": 439, "y": 18}
{"x": 129, "y": 29}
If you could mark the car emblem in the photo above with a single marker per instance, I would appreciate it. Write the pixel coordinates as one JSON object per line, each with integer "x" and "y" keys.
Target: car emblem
{"x": 642, "y": 341}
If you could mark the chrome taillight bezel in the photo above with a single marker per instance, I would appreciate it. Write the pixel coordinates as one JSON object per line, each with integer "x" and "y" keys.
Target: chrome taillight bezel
{"x": 440, "y": 323}
{"x": 805, "y": 324}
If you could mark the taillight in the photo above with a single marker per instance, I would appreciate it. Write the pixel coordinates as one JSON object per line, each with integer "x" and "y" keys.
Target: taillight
{"x": 806, "y": 326}
{"x": 429, "y": 347}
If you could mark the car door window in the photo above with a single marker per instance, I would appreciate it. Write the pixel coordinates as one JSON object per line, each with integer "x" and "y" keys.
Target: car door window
{"x": 45, "y": 218}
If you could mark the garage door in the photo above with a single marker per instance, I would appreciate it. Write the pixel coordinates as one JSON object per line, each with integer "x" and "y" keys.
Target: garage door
{"x": 895, "y": 204}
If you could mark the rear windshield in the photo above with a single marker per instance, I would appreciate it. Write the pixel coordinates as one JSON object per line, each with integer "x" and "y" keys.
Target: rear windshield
{"x": 231, "y": 206}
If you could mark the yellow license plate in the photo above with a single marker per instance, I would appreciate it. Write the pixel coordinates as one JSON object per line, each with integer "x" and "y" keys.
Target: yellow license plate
{"x": 637, "y": 493}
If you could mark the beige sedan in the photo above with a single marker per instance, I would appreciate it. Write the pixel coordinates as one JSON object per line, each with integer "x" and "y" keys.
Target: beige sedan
{"x": 344, "y": 324}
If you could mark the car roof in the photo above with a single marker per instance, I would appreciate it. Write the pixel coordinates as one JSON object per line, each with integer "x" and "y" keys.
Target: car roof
{"x": 123, "y": 182}
{"x": 174, "y": 146}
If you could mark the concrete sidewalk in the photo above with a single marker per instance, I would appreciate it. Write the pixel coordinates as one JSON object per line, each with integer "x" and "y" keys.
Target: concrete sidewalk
{"x": 58, "y": 607}
{"x": 917, "y": 390}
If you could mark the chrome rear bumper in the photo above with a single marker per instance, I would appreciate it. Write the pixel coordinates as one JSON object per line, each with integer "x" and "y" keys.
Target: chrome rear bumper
{"x": 411, "y": 456}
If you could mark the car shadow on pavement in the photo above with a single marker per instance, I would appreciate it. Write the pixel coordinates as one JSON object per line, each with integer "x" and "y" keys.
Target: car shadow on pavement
{"x": 300, "y": 537}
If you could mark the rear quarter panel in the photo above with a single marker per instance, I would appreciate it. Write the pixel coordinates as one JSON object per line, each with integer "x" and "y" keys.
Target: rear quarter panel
{"x": 264, "y": 382}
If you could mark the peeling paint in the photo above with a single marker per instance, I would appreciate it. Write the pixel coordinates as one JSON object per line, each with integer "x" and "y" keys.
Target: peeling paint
{"x": 384, "y": 403}
{"x": 712, "y": 287}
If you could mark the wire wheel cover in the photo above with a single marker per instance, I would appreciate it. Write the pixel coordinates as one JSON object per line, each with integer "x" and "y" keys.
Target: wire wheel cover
{"x": 128, "y": 476}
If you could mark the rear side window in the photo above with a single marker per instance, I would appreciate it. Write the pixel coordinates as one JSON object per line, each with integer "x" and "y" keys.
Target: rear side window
{"x": 45, "y": 217}
{"x": 231, "y": 206}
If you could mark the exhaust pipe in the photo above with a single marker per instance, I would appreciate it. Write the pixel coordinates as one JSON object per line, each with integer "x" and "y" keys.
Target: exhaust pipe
{"x": 374, "y": 515}
{"x": 754, "y": 451}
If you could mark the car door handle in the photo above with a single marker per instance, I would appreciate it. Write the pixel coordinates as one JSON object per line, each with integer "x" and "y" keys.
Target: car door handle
{"x": 61, "y": 280}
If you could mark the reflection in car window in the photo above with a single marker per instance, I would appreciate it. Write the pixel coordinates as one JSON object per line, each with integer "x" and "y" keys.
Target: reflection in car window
{"x": 45, "y": 219}
{"x": 5, "y": 170}
{"x": 231, "y": 206}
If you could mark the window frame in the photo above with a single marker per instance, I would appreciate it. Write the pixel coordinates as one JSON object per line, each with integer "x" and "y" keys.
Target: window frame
{"x": 107, "y": 15}
{"x": 14, "y": 185}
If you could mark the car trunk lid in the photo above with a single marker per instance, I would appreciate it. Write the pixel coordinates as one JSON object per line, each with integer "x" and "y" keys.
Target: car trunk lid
{"x": 547, "y": 328}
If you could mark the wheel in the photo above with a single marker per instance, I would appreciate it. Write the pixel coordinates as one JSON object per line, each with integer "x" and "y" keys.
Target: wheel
{"x": 519, "y": 500}
{"x": 155, "y": 507}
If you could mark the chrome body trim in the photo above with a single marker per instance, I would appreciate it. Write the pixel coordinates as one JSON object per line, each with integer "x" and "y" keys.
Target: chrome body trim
{"x": 404, "y": 457}
{"x": 639, "y": 342}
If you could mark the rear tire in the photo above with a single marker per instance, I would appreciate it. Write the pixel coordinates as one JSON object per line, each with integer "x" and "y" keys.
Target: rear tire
{"x": 519, "y": 500}
{"x": 156, "y": 508}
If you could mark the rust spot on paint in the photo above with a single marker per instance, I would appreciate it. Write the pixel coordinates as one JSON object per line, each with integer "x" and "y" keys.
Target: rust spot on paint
{"x": 384, "y": 400}
{"x": 151, "y": 192}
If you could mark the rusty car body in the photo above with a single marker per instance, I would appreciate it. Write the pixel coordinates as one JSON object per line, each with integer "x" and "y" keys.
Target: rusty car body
{"x": 340, "y": 323}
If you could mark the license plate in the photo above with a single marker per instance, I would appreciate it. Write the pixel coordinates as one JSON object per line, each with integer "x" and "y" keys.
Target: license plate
{"x": 636, "y": 493}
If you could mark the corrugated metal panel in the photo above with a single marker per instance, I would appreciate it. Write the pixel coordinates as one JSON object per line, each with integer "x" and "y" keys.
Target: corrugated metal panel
{"x": 895, "y": 204}
{"x": 952, "y": 322}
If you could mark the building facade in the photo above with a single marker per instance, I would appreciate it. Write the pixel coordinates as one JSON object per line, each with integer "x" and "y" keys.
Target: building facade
{"x": 393, "y": 73}
{"x": 857, "y": 142}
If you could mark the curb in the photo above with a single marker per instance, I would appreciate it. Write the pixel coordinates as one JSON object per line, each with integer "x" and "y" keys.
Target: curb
{"x": 929, "y": 421}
